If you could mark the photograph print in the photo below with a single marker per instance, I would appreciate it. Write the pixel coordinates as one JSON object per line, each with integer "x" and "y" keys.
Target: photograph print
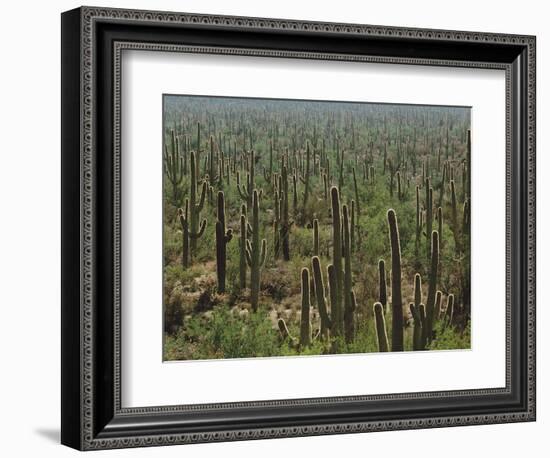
{"x": 304, "y": 227}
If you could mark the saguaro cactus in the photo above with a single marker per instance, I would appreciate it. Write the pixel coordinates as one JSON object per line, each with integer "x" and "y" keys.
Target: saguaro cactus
{"x": 286, "y": 223}
{"x": 198, "y": 151}
{"x": 305, "y": 324}
{"x": 429, "y": 216}
{"x": 418, "y": 232}
{"x": 397, "y": 300}
{"x": 246, "y": 190}
{"x": 319, "y": 287}
{"x": 173, "y": 166}
{"x": 417, "y": 330}
{"x": 382, "y": 291}
{"x": 449, "y": 311}
{"x": 191, "y": 215}
{"x": 183, "y": 216}
{"x": 337, "y": 306}
{"x": 356, "y": 194}
{"x": 454, "y": 218}
{"x": 242, "y": 258}
{"x": 347, "y": 293}
{"x": 316, "y": 237}
{"x": 255, "y": 252}
{"x": 432, "y": 285}
{"x": 305, "y": 179}
{"x": 381, "y": 333}
{"x": 222, "y": 239}
{"x": 268, "y": 174}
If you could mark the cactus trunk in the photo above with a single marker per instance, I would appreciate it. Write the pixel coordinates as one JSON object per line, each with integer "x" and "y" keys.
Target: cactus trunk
{"x": 255, "y": 252}
{"x": 397, "y": 301}
{"x": 223, "y": 237}
{"x": 381, "y": 333}
{"x": 305, "y": 324}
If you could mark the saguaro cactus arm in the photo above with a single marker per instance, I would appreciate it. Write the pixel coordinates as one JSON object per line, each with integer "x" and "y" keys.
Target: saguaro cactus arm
{"x": 381, "y": 333}
{"x": 305, "y": 324}
{"x": 319, "y": 287}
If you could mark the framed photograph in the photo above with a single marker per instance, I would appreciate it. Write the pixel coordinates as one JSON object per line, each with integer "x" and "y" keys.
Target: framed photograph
{"x": 277, "y": 228}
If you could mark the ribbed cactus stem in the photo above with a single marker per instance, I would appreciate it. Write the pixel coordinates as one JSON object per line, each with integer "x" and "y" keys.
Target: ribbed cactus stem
{"x": 440, "y": 226}
{"x": 418, "y": 232}
{"x": 223, "y": 237}
{"x": 285, "y": 220}
{"x": 352, "y": 227}
{"x": 337, "y": 306}
{"x": 356, "y": 193}
{"x": 397, "y": 301}
{"x": 255, "y": 252}
{"x": 174, "y": 167}
{"x": 306, "y": 178}
{"x": 399, "y": 192}
{"x": 429, "y": 215}
{"x": 417, "y": 290}
{"x": 184, "y": 221}
{"x": 382, "y": 290}
{"x": 294, "y": 195}
{"x": 449, "y": 311}
{"x": 417, "y": 329}
{"x": 242, "y": 249}
{"x": 198, "y": 149}
{"x": 305, "y": 324}
{"x": 381, "y": 333}
{"x": 212, "y": 162}
{"x": 432, "y": 284}
{"x": 246, "y": 190}
{"x": 319, "y": 287}
{"x": 454, "y": 217}
{"x": 349, "y": 308}
{"x": 316, "y": 249}
{"x": 196, "y": 227}
{"x": 437, "y": 313}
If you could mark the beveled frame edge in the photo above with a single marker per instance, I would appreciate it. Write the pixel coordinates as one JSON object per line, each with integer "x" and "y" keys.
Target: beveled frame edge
{"x": 82, "y": 436}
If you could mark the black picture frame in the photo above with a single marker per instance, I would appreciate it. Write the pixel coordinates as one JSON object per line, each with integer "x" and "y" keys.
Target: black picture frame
{"x": 92, "y": 416}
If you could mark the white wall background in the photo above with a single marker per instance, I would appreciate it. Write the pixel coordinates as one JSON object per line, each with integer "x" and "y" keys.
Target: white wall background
{"x": 30, "y": 215}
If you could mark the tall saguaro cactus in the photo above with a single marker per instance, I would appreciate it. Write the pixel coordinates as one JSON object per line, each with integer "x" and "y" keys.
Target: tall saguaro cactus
{"x": 246, "y": 190}
{"x": 432, "y": 285}
{"x": 454, "y": 218}
{"x": 305, "y": 179}
{"x": 189, "y": 217}
{"x": 382, "y": 291}
{"x": 196, "y": 229}
{"x": 305, "y": 324}
{"x": 397, "y": 300}
{"x": 286, "y": 223}
{"x": 242, "y": 248}
{"x": 429, "y": 215}
{"x": 347, "y": 293}
{"x": 183, "y": 216}
{"x": 319, "y": 287}
{"x": 337, "y": 306}
{"x": 173, "y": 166}
{"x": 316, "y": 248}
{"x": 223, "y": 237}
{"x": 255, "y": 252}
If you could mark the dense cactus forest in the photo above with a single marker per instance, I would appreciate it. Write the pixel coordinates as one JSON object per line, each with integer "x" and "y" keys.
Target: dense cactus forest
{"x": 307, "y": 227}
